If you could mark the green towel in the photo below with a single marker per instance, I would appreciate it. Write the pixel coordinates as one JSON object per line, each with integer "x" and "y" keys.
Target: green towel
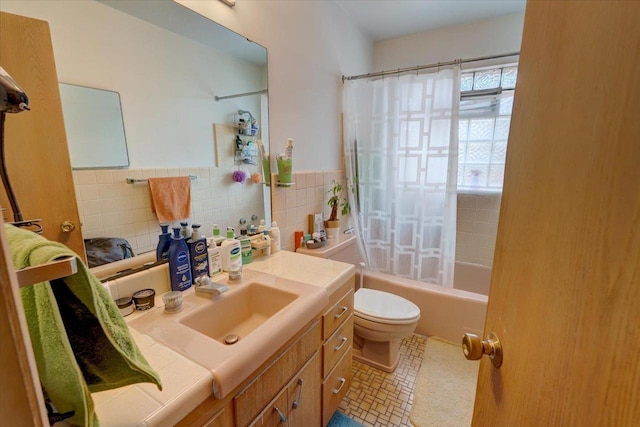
{"x": 80, "y": 341}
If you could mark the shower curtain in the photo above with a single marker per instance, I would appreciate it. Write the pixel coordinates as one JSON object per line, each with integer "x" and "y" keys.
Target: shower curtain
{"x": 401, "y": 157}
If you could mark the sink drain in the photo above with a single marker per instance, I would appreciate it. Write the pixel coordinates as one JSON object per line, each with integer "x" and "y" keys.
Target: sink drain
{"x": 231, "y": 339}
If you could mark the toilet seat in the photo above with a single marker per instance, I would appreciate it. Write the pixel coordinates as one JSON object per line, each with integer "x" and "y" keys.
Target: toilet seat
{"x": 383, "y": 307}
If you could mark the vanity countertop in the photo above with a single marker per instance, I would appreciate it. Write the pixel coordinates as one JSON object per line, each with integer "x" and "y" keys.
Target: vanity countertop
{"x": 186, "y": 384}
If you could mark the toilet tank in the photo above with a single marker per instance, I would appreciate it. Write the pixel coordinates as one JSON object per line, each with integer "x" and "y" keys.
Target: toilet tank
{"x": 341, "y": 248}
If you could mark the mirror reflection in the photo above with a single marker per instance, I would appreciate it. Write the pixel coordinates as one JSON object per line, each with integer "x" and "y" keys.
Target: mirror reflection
{"x": 168, "y": 64}
{"x": 95, "y": 131}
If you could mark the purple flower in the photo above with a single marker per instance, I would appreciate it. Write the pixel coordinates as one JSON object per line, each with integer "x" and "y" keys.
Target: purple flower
{"x": 239, "y": 176}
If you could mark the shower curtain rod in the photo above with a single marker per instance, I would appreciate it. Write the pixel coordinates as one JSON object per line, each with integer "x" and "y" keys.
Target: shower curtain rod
{"x": 423, "y": 67}
{"x": 238, "y": 95}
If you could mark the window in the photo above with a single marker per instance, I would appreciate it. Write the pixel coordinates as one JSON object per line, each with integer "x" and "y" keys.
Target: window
{"x": 485, "y": 116}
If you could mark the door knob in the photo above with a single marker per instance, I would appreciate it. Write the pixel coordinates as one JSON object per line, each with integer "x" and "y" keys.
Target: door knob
{"x": 67, "y": 227}
{"x": 473, "y": 348}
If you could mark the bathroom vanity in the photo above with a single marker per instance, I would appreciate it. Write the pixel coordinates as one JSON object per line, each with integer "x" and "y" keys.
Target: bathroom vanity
{"x": 290, "y": 371}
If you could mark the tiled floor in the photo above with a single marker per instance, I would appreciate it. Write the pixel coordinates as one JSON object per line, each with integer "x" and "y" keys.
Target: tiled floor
{"x": 377, "y": 398}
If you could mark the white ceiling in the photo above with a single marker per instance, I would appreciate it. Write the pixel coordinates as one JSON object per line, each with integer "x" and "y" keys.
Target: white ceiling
{"x": 386, "y": 19}
{"x": 180, "y": 20}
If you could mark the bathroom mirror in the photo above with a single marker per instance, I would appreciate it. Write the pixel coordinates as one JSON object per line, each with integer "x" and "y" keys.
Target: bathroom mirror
{"x": 95, "y": 130}
{"x": 168, "y": 64}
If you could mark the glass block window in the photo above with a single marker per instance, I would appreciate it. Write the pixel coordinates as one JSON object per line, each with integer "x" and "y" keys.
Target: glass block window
{"x": 484, "y": 128}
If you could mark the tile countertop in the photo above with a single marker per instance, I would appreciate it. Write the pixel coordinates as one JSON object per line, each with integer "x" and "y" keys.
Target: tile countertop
{"x": 185, "y": 383}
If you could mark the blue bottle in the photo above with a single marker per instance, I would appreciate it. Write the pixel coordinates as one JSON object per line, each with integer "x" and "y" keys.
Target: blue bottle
{"x": 198, "y": 255}
{"x": 162, "y": 250}
{"x": 179, "y": 265}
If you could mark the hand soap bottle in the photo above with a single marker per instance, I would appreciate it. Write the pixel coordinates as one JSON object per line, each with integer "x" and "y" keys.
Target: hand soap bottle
{"x": 162, "y": 250}
{"x": 198, "y": 255}
{"x": 274, "y": 233}
{"x": 230, "y": 251}
{"x": 217, "y": 238}
{"x": 215, "y": 259}
{"x": 179, "y": 265}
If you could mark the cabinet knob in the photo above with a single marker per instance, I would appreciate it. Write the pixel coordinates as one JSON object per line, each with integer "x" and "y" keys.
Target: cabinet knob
{"x": 337, "y": 390}
{"x": 283, "y": 418}
{"x": 67, "y": 227}
{"x": 296, "y": 402}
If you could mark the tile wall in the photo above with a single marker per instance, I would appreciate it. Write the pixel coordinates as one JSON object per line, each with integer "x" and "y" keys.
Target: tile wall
{"x": 477, "y": 220}
{"x": 477, "y": 226}
{"x": 110, "y": 207}
{"x": 291, "y": 206}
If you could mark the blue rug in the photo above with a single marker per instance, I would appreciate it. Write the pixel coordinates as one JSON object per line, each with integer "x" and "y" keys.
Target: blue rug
{"x": 341, "y": 420}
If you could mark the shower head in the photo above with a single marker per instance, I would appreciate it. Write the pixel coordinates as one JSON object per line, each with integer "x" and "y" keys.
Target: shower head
{"x": 12, "y": 98}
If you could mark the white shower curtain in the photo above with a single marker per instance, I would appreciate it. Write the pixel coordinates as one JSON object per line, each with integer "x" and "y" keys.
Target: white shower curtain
{"x": 401, "y": 156}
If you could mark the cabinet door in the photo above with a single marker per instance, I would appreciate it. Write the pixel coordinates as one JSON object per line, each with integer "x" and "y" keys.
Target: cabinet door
{"x": 275, "y": 414}
{"x": 304, "y": 395}
{"x": 36, "y": 150}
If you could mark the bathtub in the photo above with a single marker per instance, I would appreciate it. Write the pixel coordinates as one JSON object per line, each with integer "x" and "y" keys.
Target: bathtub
{"x": 445, "y": 312}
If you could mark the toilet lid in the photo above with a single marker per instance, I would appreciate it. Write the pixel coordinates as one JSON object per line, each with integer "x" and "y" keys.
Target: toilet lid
{"x": 379, "y": 306}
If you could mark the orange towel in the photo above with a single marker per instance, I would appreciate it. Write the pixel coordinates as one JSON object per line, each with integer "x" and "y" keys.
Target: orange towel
{"x": 171, "y": 197}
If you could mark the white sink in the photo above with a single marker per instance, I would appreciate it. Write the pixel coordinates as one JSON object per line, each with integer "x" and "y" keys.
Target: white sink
{"x": 263, "y": 312}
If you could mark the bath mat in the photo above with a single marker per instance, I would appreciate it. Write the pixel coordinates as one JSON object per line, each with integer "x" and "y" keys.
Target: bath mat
{"x": 341, "y": 420}
{"x": 446, "y": 386}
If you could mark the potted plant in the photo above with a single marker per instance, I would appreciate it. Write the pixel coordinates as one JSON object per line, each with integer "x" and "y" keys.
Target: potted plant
{"x": 336, "y": 201}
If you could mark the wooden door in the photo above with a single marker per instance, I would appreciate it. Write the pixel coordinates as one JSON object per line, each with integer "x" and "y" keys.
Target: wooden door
{"x": 565, "y": 290}
{"x": 36, "y": 150}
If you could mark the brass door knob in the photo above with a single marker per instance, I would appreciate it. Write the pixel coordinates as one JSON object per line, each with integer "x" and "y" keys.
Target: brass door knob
{"x": 474, "y": 347}
{"x": 67, "y": 227}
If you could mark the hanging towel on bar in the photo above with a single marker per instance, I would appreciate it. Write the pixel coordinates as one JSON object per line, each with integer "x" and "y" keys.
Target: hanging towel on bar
{"x": 80, "y": 340}
{"x": 171, "y": 197}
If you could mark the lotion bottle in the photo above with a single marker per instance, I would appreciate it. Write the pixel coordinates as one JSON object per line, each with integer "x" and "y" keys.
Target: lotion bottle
{"x": 198, "y": 255}
{"x": 230, "y": 251}
{"x": 179, "y": 265}
{"x": 164, "y": 240}
{"x": 215, "y": 259}
{"x": 217, "y": 238}
{"x": 274, "y": 233}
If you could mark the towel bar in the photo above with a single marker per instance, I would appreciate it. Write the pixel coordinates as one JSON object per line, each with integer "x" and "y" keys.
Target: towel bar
{"x": 50, "y": 271}
{"x": 136, "y": 181}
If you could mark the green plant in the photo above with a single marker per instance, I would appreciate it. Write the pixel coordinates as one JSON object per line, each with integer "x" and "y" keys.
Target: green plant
{"x": 337, "y": 200}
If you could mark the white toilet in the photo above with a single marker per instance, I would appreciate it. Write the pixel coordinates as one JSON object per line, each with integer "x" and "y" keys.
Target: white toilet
{"x": 381, "y": 319}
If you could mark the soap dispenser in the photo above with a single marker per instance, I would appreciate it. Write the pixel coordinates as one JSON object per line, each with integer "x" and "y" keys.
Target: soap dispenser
{"x": 230, "y": 251}
{"x": 179, "y": 265}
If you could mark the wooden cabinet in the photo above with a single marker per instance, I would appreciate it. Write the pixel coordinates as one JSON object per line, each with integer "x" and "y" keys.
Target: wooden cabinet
{"x": 36, "y": 150}
{"x": 276, "y": 378}
{"x": 302, "y": 386}
{"x": 297, "y": 404}
{"x": 335, "y": 387}
{"x": 337, "y": 333}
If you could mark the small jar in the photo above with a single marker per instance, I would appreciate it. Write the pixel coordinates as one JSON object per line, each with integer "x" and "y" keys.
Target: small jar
{"x": 125, "y": 305}
{"x": 144, "y": 299}
{"x": 235, "y": 273}
{"x": 172, "y": 301}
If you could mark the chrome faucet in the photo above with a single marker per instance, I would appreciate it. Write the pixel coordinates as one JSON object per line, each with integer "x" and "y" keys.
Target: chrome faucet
{"x": 204, "y": 285}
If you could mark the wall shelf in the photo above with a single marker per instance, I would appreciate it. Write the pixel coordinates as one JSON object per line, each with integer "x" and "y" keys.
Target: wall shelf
{"x": 50, "y": 271}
